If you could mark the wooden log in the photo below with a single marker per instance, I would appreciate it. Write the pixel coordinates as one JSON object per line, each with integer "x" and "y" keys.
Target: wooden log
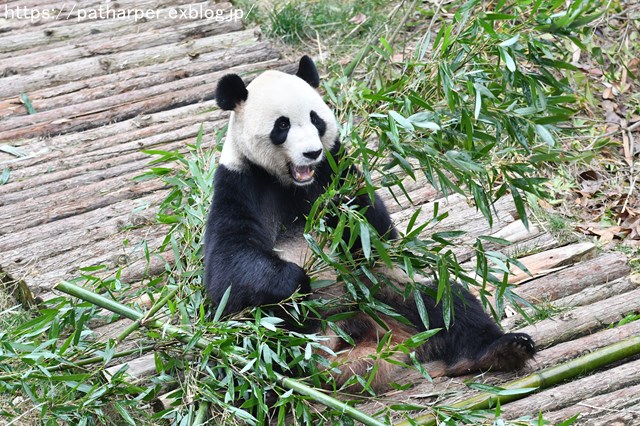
{"x": 137, "y": 368}
{"x": 581, "y": 284}
{"x": 27, "y": 61}
{"x": 573, "y": 392}
{"x": 601, "y": 269}
{"x": 130, "y": 37}
{"x": 543, "y": 263}
{"x": 156, "y": 74}
{"x": 103, "y": 111}
{"x": 565, "y": 351}
{"x": 166, "y": 401}
{"x": 514, "y": 232}
{"x": 596, "y": 293}
{"x": 539, "y": 243}
{"x": 73, "y": 150}
{"x": 584, "y": 319}
{"x": 23, "y": 34}
{"x": 462, "y": 216}
{"x": 618, "y": 404}
{"x": 74, "y": 201}
{"x": 585, "y": 297}
{"x": 419, "y": 192}
{"x": 617, "y": 417}
{"x": 47, "y": 272}
{"x": 93, "y": 66}
{"x": 95, "y": 167}
{"x": 61, "y": 235}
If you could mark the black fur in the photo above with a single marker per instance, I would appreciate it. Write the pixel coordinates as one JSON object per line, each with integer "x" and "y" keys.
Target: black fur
{"x": 318, "y": 122}
{"x": 280, "y": 130}
{"x": 308, "y": 72}
{"x": 248, "y": 211}
{"x": 472, "y": 336}
{"x": 230, "y": 92}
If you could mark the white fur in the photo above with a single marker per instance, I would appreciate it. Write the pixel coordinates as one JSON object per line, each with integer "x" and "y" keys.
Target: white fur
{"x": 271, "y": 95}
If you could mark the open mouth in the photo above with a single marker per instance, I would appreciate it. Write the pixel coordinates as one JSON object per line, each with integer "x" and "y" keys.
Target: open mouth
{"x": 302, "y": 174}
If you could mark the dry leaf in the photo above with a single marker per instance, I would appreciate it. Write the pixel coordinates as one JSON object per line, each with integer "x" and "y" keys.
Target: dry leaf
{"x": 544, "y": 204}
{"x": 634, "y": 66}
{"x": 397, "y": 58}
{"x": 358, "y": 19}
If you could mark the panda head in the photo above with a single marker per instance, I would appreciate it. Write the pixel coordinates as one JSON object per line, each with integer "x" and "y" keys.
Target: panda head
{"x": 279, "y": 122}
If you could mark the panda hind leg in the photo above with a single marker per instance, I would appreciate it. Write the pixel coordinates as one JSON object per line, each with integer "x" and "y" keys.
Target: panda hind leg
{"x": 510, "y": 352}
{"x": 363, "y": 359}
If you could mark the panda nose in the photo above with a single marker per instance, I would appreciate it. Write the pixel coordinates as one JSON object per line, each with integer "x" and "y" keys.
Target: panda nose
{"x": 312, "y": 155}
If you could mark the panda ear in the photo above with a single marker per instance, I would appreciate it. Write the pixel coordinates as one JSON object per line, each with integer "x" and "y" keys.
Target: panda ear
{"x": 230, "y": 92}
{"x": 308, "y": 72}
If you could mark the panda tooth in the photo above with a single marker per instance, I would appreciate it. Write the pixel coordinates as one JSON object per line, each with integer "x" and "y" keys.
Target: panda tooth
{"x": 303, "y": 173}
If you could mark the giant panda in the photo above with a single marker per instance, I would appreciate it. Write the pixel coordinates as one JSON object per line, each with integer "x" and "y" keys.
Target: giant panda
{"x": 272, "y": 168}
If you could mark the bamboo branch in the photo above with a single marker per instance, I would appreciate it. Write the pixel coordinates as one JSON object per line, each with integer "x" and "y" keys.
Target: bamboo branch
{"x": 202, "y": 343}
{"x": 82, "y": 362}
{"x": 155, "y": 308}
{"x": 543, "y": 379}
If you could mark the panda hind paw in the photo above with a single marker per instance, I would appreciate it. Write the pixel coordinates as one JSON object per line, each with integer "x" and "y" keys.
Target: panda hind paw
{"x": 508, "y": 353}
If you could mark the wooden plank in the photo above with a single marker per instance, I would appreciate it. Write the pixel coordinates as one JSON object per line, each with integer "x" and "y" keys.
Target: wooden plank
{"x": 74, "y": 201}
{"x": 618, "y": 404}
{"x": 582, "y": 284}
{"x": 546, "y": 262}
{"x": 569, "y": 394}
{"x": 604, "y": 268}
{"x": 73, "y": 150}
{"x": 584, "y": 319}
{"x": 85, "y": 68}
{"x": 23, "y": 34}
{"x": 78, "y": 117}
{"x": 130, "y": 81}
{"x": 85, "y": 169}
{"x": 96, "y": 44}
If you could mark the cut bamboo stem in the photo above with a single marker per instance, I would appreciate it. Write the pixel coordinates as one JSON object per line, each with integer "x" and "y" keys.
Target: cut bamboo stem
{"x": 202, "y": 343}
{"x": 543, "y": 379}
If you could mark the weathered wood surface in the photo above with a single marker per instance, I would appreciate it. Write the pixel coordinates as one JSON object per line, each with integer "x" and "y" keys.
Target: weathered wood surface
{"x": 103, "y": 90}
{"x": 570, "y": 395}
{"x": 106, "y": 89}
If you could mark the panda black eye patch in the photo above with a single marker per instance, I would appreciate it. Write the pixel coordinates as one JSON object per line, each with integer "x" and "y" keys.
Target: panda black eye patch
{"x": 318, "y": 122}
{"x": 280, "y": 130}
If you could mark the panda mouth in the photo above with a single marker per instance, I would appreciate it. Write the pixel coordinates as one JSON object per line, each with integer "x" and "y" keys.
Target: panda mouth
{"x": 302, "y": 174}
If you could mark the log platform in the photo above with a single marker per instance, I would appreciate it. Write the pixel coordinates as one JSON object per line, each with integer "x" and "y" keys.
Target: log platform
{"x": 81, "y": 98}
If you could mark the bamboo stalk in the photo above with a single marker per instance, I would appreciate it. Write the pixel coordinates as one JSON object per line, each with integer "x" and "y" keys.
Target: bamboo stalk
{"x": 202, "y": 343}
{"x": 155, "y": 308}
{"x": 201, "y": 414}
{"x": 543, "y": 379}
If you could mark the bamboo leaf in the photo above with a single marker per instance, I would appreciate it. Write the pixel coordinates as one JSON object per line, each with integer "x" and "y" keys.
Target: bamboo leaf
{"x": 365, "y": 240}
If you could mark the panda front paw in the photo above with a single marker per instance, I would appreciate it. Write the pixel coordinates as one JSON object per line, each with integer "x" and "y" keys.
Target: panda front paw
{"x": 292, "y": 277}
